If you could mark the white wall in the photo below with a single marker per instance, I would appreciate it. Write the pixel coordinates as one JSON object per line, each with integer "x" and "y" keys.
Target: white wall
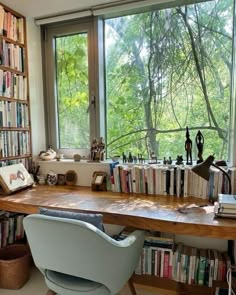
{"x": 36, "y": 87}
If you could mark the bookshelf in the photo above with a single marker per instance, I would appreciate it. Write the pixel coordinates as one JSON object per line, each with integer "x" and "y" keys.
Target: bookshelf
{"x": 15, "y": 131}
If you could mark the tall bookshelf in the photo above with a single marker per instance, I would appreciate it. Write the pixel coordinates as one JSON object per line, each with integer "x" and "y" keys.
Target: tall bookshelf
{"x": 15, "y": 130}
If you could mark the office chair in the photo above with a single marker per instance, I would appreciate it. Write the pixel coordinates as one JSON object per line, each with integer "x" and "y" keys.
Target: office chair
{"x": 77, "y": 258}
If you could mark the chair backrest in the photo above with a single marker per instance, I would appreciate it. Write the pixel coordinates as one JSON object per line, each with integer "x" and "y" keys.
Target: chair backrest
{"x": 77, "y": 248}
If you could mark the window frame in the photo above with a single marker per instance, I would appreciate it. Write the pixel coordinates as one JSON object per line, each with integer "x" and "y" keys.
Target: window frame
{"x": 98, "y": 89}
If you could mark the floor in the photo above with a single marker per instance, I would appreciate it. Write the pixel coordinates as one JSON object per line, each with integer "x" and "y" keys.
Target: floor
{"x": 36, "y": 286}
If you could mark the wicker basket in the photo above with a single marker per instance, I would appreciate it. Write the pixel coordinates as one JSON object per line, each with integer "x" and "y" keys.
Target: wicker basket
{"x": 14, "y": 266}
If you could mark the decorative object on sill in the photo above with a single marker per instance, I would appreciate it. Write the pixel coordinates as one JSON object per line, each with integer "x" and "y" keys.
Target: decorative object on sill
{"x": 124, "y": 157}
{"x": 203, "y": 170}
{"x": 59, "y": 157}
{"x": 179, "y": 160}
{"x": 50, "y": 154}
{"x": 97, "y": 150}
{"x": 51, "y": 178}
{"x": 99, "y": 181}
{"x": 153, "y": 158}
{"x": 70, "y": 177}
{"x": 188, "y": 148}
{"x": 130, "y": 158}
{"x": 77, "y": 158}
{"x": 61, "y": 179}
{"x": 199, "y": 143}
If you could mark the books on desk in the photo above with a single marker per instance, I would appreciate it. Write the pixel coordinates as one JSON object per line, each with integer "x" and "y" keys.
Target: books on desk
{"x": 226, "y": 206}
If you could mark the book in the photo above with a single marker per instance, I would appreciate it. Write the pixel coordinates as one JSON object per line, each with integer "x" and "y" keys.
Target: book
{"x": 227, "y": 201}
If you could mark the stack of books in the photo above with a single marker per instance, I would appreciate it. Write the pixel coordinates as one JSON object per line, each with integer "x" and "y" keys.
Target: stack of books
{"x": 226, "y": 206}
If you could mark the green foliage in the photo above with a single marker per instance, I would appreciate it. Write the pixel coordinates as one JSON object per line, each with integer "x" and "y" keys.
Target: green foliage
{"x": 166, "y": 70}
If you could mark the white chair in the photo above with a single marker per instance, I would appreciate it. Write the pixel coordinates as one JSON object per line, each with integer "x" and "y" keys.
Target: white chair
{"x": 77, "y": 258}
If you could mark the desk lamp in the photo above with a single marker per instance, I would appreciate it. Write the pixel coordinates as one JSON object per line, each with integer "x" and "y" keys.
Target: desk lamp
{"x": 203, "y": 170}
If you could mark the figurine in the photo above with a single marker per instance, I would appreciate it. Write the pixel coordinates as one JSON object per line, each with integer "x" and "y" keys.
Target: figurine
{"x": 188, "y": 148}
{"x": 179, "y": 160}
{"x": 164, "y": 161}
{"x": 199, "y": 142}
{"x": 101, "y": 149}
{"x": 130, "y": 158}
{"x": 124, "y": 157}
{"x": 169, "y": 162}
{"x": 94, "y": 149}
{"x": 50, "y": 154}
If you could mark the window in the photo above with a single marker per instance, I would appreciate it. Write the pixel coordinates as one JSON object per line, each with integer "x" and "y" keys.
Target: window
{"x": 70, "y": 86}
{"x": 163, "y": 70}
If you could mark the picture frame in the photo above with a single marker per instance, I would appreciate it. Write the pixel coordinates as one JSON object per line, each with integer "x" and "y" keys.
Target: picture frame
{"x": 61, "y": 179}
{"x": 99, "y": 182}
{"x": 13, "y": 178}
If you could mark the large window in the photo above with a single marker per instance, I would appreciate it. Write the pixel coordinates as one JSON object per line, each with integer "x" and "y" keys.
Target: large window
{"x": 166, "y": 70}
{"x": 161, "y": 71}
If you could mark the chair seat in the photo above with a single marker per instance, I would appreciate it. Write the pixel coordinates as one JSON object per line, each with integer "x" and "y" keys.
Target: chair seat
{"x": 64, "y": 284}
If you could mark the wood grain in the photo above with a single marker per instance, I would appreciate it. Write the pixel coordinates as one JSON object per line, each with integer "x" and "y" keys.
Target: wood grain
{"x": 136, "y": 210}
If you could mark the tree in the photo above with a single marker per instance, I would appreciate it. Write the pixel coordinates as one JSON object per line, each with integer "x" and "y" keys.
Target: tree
{"x": 166, "y": 70}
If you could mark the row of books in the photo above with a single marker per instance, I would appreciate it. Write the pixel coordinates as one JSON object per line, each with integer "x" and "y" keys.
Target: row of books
{"x": 162, "y": 257}
{"x": 184, "y": 264}
{"x": 177, "y": 181}
{"x": 11, "y": 228}
{"x": 12, "y": 55}
{"x": 14, "y": 143}
{"x": 11, "y": 26}
{"x": 13, "y": 85}
{"x": 14, "y": 114}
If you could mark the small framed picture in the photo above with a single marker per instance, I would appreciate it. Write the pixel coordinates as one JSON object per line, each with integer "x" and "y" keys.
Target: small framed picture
{"x": 61, "y": 179}
{"x": 99, "y": 181}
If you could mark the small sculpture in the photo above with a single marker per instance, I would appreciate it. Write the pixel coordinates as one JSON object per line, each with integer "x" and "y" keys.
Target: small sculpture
{"x": 50, "y": 154}
{"x": 188, "y": 148}
{"x": 179, "y": 160}
{"x": 130, "y": 158}
{"x": 124, "y": 157}
{"x": 199, "y": 142}
{"x": 77, "y": 157}
{"x": 97, "y": 150}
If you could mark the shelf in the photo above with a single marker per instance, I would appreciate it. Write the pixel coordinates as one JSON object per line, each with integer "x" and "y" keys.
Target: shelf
{"x": 14, "y": 99}
{"x": 13, "y": 71}
{"x": 16, "y": 157}
{"x": 179, "y": 288}
{"x": 11, "y": 41}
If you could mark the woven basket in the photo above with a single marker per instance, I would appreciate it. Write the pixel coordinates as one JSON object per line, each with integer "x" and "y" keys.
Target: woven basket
{"x": 14, "y": 266}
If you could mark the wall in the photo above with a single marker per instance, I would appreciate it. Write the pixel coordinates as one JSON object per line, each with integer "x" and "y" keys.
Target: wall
{"x": 36, "y": 87}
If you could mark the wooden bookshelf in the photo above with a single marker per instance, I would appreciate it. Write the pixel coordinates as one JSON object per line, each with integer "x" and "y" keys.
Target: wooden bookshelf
{"x": 15, "y": 129}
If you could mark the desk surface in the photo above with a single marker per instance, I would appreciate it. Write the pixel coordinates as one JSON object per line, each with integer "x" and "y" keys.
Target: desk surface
{"x": 140, "y": 211}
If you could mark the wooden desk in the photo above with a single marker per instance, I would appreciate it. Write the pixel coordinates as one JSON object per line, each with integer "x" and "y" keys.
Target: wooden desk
{"x": 140, "y": 211}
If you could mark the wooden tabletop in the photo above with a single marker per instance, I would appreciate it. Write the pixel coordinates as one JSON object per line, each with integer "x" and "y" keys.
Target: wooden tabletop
{"x": 140, "y": 211}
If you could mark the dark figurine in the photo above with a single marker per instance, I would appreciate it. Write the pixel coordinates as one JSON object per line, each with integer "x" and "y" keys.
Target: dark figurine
{"x": 130, "y": 158}
{"x": 140, "y": 158}
{"x": 169, "y": 162}
{"x": 164, "y": 161}
{"x": 124, "y": 157}
{"x": 199, "y": 142}
{"x": 179, "y": 160}
{"x": 188, "y": 148}
{"x": 135, "y": 159}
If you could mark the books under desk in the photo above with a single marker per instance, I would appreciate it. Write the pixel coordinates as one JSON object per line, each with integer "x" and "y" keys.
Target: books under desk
{"x": 176, "y": 263}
